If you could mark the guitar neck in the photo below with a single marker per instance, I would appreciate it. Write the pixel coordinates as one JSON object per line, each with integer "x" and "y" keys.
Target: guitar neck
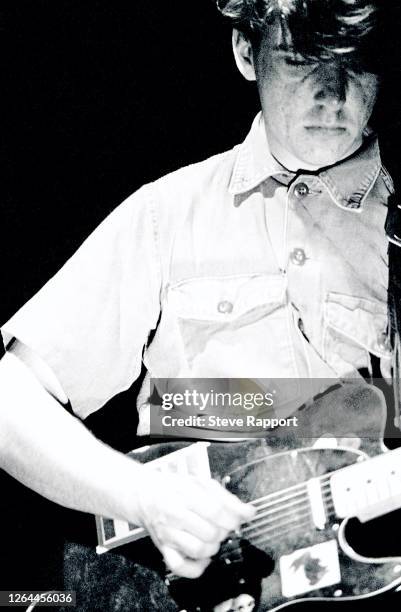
{"x": 368, "y": 489}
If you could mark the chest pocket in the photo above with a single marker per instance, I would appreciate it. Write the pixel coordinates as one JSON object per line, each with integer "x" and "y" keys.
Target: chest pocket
{"x": 227, "y": 324}
{"x": 225, "y": 299}
{"x": 354, "y": 327}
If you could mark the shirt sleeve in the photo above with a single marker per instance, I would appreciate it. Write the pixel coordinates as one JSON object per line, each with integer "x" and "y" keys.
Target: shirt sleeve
{"x": 91, "y": 321}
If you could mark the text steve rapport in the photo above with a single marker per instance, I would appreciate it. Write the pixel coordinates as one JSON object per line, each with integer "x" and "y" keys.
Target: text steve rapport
{"x": 214, "y": 421}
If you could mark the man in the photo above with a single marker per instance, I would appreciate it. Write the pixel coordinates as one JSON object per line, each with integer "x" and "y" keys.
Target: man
{"x": 241, "y": 266}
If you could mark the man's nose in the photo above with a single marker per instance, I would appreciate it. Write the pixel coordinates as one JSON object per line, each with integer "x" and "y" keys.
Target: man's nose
{"x": 331, "y": 86}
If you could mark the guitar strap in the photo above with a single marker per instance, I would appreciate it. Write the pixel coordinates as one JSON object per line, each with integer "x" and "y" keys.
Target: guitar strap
{"x": 393, "y": 230}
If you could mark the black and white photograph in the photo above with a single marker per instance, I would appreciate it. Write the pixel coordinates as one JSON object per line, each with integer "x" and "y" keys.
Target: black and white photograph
{"x": 200, "y": 383}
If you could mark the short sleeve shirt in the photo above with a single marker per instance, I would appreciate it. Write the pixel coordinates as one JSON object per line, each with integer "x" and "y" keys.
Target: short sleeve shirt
{"x": 232, "y": 267}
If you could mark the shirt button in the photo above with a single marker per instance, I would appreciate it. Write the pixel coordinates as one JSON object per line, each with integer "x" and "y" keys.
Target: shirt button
{"x": 225, "y": 307}
{"x": 298, "y": 257}
{"x": 301, "y": 190}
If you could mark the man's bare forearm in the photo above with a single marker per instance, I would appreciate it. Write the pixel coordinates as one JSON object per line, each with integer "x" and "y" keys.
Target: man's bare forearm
{"x": 53, "y": 453}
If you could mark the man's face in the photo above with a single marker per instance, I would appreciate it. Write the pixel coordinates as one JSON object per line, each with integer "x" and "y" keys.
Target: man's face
{"x": 314, "y": 112}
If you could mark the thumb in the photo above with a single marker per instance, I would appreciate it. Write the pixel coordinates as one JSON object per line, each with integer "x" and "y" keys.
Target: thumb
{"x": 183, "y": 566}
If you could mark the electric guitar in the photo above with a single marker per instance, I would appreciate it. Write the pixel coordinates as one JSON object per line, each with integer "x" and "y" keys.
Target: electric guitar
{"x": 296, "y": 548}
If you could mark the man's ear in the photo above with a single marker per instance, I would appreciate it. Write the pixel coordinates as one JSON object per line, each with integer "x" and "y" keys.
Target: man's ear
{"x": 243, "y": 54}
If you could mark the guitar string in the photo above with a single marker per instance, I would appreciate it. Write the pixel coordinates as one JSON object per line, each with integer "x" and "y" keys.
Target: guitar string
{"x": 256, "y": 524}
{"x": 269, "y": 525}
{"x": 279, "y": 500}
{"x": 302, "y": 494}
{"x": 294, "y": 525}
{"x": 296, "y": 486}
{"x": 261, "y": 510}
{"x": 279, "y": 494}
{"x": 255, "y": 531}
{"x": 277, "y": 506}
{"x": 263, "y": 537}
{"x": 260, "y": 539}
{"x": 327, "y": 501}
{"x": 261, "y": 514}
{"x": 273, "y": 521}
{"x": 251, "y": 526}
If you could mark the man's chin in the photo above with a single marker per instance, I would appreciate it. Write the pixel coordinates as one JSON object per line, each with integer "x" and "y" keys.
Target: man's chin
{"x": 324, "y": 148}
{"x": 320, "y": 157}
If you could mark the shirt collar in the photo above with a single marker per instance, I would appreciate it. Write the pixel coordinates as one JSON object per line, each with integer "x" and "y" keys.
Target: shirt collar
{"x": 348, "y": 182}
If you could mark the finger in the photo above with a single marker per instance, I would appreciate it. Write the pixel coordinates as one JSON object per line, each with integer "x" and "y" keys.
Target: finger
{"x": 232, "y": 502}
{"x": 203, "y": 529}
{"x": 181, "y": 566}
{"x": 221, "y": 508}
{"x": 215, "y": 513}
{"x": 193, "y": 522}
{"x": 187, "y": 544}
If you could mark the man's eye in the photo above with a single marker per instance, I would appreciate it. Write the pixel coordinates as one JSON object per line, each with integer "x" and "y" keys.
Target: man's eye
{"x": 296, "y": 60}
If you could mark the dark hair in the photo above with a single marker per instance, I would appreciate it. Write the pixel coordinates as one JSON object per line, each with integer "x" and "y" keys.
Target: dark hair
{"x": 318, "y": 29}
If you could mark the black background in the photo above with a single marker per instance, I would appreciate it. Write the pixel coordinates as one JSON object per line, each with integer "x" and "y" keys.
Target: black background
{"x": 100, "y": 97}
{"x": 103, "y": 97}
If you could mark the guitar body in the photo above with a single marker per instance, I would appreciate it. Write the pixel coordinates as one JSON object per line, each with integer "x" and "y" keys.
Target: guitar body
{"x": 290, "y": 553}
{"x": 303, "y": 555}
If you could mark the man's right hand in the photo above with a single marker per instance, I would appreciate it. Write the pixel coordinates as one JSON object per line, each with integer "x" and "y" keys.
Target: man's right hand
{"x": 187, "y": 518}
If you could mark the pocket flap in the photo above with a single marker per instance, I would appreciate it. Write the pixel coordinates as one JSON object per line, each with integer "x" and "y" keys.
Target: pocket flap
{"x": 362, "y": 320}
{"x": 226, "y": 298}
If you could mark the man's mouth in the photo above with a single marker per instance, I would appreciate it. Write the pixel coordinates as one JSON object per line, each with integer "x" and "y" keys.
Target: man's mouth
{"x": 326, "y": 130}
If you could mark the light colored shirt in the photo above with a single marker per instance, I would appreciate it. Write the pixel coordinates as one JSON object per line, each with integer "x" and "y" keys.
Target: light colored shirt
{"x": 228, "y": 268}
